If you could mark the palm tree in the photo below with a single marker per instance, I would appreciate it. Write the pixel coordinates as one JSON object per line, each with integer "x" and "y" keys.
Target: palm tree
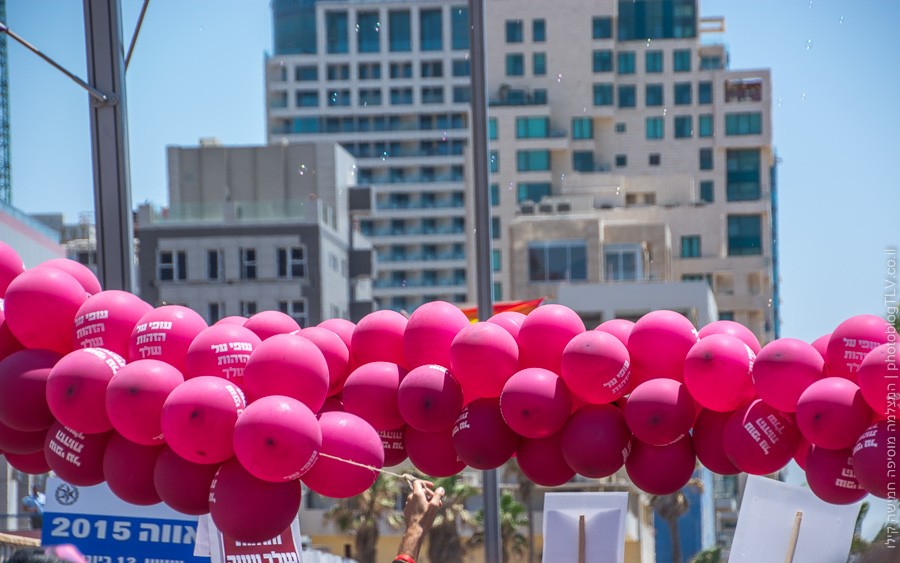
{"x": 526, "y": 493}
{"x": 444, "y": 540}
{"x": 360, "y": 515}
{"x": 512, "y": 517}
{"x": 672, "y": 507}
{"x": 709, "y": 555}
{"x": 859, "y": 545}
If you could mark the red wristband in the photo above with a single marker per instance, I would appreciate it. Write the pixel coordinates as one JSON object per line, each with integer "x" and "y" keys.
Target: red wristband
{"x": 403, "y": 558}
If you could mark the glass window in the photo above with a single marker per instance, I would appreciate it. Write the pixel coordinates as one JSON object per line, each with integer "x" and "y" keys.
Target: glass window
{"x": 369, "y": 71}
{"x": 496, "y": 262}
{"x": 539, "y": 64}
{"x": 601, "y": 27}
{"x": 623, "y": 262}
{"x": 603, "y": 60}
{"x": 583, "y": 161}
{"x": 684, "y": 127}
{"x": 532, "y": 160}
{"x": 514, "y": 33}
{"x": 744, "y": 235}
{"x": 653, "y": 159}
{"x": 743, "y": 176}
{"x": 461, "y": 67}
{"x": 603, "y": 94}
{"x": 582, "y": 128}
{"x": 248, "y": 308}
{"x": 621, "y": 127}
{"x": 682, "y": 93}
{"x": 431, "y": 69}
{"x": 497, "y": 290}
{"x": 743, "y": 90}
{"x": 214, "y": 312}
{"x": 653, "y": 61}
{"x": 704, "y": 92}
{"x": 496, "y": 231}
{"x": 398, "y": 31}
{"x": 539, "y": 96}
{"x": 627, "y": 96}
{"x": 462, "y": 94}
{"x": 432, "y": 95}
{"x": 653, "y": 95}
{"x": 336, "y": 31}
{"x": 401, "y": 96}
{"x": 681, "y": 60}
{"x": 705, "y": 125}
{"x": 368, "y": 35}
{"x": 339, "y": 98}
{"x": 248, "y": 263}
{"x": 306, "y": 125}
{"x": 431, "y": 30}
{"x": 690, "y": 246}
{"x": 621, "y": 160}
{"x": 290, "y": 262}
{"x": 495, "y": 162}
{"x": 515, "y": 64}
{"x": 492, "y": 128}
{"x": 172, "y": 265}
{"x": 532, "y": 127}
{"x": 655, "y": 128}
{"x": 459, "y": 23}
{"x": 640, "y": 20}
{"x": 532, "y": 191}
{"x": 557, "y": 260}
{"x": 296, "y": 309}
{"x": 370, "y": 97}
{"x": 706, "y": 159}
{"x": 338, "y": 72}
{"x": 307, "y": 98}
{"x": 306, "y": 73}
{"x": 495, "y": 195}
{"x": 747, "y": 123}
{"x": 401, "y": 70}
{"x": 707, "y": 191}
{"x": 295, "y": 28}
{"x": 215, "y": 265}
{"x": 625, "y": 62}
{"x": 539, "y": 30}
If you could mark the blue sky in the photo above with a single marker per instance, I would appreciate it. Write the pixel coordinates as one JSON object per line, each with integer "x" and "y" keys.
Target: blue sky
{"x": 198, "y": 71}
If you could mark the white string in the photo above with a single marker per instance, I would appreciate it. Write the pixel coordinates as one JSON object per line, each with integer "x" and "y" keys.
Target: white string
{"x": 409, "y": 478}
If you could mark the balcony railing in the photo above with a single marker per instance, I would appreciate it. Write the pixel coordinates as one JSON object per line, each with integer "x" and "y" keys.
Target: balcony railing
{"x": 446, "y": 282}
{"x": 421, "y": 256}
{"x": 439, "y": 204}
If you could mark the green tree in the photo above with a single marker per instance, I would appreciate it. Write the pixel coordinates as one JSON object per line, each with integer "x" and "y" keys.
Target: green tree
{"x": 672, "y": 507}
{"x": 709, "y": 555}
{"x": 359, "y": 516}
{"x": 526, "y": 493}
{"x": 445, "y": 543}
{"x": 859, "y": 545}
{"x": 513, "y": 515}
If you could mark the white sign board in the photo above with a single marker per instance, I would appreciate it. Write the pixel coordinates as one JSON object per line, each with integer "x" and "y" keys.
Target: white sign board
{"x": 604, "y": 526}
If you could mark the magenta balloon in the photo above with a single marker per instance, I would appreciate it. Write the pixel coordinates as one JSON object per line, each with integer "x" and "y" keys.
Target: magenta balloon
{"x": 22, "y": 443}
{"x": 222, "y": 351}
{"x": 40, "y": 307}
{"x": 821, "y": 345}
{"x": 620, "y": 328}
{"x": 182, "y": 485}
{"x": 128, "y": 470}
{"x": 348, "y": 437}
{"x": 782, "y": 371}
{"x": 76, "y": 389}
{"x": 77, "y": 270}
{"x": 165, "y": 334}
{"x": 331, "y": 404}
{"x": 510, "y": 321}
{"x": 267, "y": 324}
{"x": 544, "y": 335}
{"x": 595, "y": 441}
{"x": 660, "y": 411}
{"x": 23, "y": 390}
{"x": 717, "y": 372}
{"x": 232, "y": 320}
{"x": 874, "y": 460}
{"x": 32, "y": 464}
{"x": 378, "y": 337}
{"x": 8, "y": 342}
{"x": 877, "y": 379}
{"x": 832, "y": 413}
{"x": 341, "y": 327}
{"x": 11, "y": 265}
{"x": 248, "y": 509}
{"x": 135, "y": 398}
{"x": 709, "y": 442}
{"x": 542, "y": 461}
{"x": 731, "y": 328}
{"x": 852, "y": 340}
{"x": 107, "y": 319}
{"x": 433, "y": 453}
{"x": 483, "y": 356}
{"x": 75, "y": 457}
{"x": 198, "y": 419}
{"x": 535, "y": 403}
{"x": 429, "y": 398}
{"x": 829, "y": 474}
{"x": 277, "y": 438}
{"x": 658, "y": 345}
{"x": 428, "y": 333}
{"x": 289, "y": 365}
{"x": 595, "y": 367}
{"x": 371, "y": 391}
{"x": 802, "y": 452}
{"x": 759, "y": 439}
{"x": 335, "y": 352}
{"x": 481, "y": 437}
{"x": 661, "y": 470}
{"x": 394, "y": 446}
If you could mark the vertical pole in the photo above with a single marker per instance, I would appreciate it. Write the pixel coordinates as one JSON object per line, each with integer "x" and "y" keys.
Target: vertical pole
{"x": 109, "y": 144}
{"x": 483, "y": 242}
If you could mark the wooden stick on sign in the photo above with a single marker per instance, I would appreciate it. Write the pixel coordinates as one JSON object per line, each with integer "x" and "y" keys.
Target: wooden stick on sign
{"x": 795, "y": 534}
{"x": 581, "y": 538}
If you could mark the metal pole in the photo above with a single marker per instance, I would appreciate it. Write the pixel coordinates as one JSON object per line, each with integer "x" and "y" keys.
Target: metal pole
{"x": 109, "y": 144}
{"x": 137, "y": 31}
{"x": 483, "y": 242}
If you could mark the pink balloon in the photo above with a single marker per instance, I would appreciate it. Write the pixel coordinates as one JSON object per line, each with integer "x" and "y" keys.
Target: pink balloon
{"x": 77, "y": 270}
{"x": 128, "y": 470}
{"x": 782, "y": 371}
{"x": 658, "y": 345}
{"x": 429, "y": 398}
{"x": 23, "y": 390}
{"x": 821, "y": 345}
{"x": 759, "y": 439}
{"x": 542, "y": 461}
{"x": 277, "y": 438}
{"x": 596, "y": 440}
{"x": 248, "y": 509}
{"x": 8, "y": 342}
{"x": 433, "y": 453}
{"x": 348, "y": 437}
{"x": 32, "y": 464}
{"x": 107, "y": 319}
{"x": 232, "y": 320}
{"x": 802, "y": 452}
{"x": 510, "y": 321}
{"x": 661, "y": 470}
{"x": 428, "y": 333}
{"x": 378, "y": 337}
{"x": 660, "y": 411}
{"x": 40, "y": 307}
{"x": 595, "y": 367}
{"x": 22, "y": 443}
{"x": 182, "y": 485}
{"x": 222, "y": 351}
{"x": 832, "y": 413}
{"x": 483, "y": 356}
{"x": 544, "y": 335}
{"x": 394, "y": 446}
{"x": 165, "y": 334}
{"x": 709, "y": 442}
{"x": 874, "y": 459}
{"x": 620, "y": 328}
{"x": 198, "y": 419}
{"x": 11, "y": 265}
{"x": 76, "y": 389}
{"x": 852, "y": 340}
{"x": 341, "y": 327}
{"x": 289, "y": 365}
{"x": 830, "y": 476}
{"x": 335, "y": 352}
{"x": 731, "y": 328}
{"x": 135, "y": 398}
{"x": 481, "y": 437}
{"x": 717, "y": 372}
{"x": 371, "y": 394}
{"x": 77, "y": 458}
{"x": 267, "y": 324}
{"x": 877, "y": 375}
{"x": 535, "y": 403}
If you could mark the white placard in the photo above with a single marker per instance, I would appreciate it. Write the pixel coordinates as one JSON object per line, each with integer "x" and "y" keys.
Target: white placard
{"x": 604, "y": 523}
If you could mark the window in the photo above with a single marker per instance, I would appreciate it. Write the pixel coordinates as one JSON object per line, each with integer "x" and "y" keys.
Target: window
{"x": 603, "y": 60}
{"x": 653, "y": 61}
{"x": 743, "y": 90}
{"x": 307, "y": 98}
{"x": 248, "y": 308}
{"x": 369, "y": 71}
{"x": 215, "y": 265}
{"x": 515, "y": 64}
{"x": 495, "y": 195}
{"x": 557, "y": 260}
{"x": 653, "y": 95}
{"x": 704, "y": 92}
{"x": 640, "y": 20}
{"x": 743, "y": 178}
{"x": 496, "y": 231}
{"x": 401, "y": 70}
{"x": 532, "y": 127}
{"x": 655, "y": 128}
{"x": 627, "y": 96}
{"x": 398, "y": 31}
{"x": 495, "y": 162}
{"x": 248, "y": 263}
{"x": 306, "y": 73}
{"x": 461, "y": 67}
{"x": 433, "y": 95}
{"x": 532, "y": 160}
{"x": 214, "y": 312}
{"x": 744, "y": 235}
{"x": 401, "y": 96}
{"x": 492, "y": 128}
{"x": 338, "y": 72}
{"x": 625, "y": 62}
{"x": 368, "y": 32}
{"x": 707, "y": 192}
{"x": 690, "y": 246}
{"x": 582, "y": 128}
{"x": 747, "y": 123}
{"x": 621, "y": 160}
{"x": 681, "y": 60}
{"x": 459, "y": 28}
{"x": 431, "y": 30}
{"x": 497, "y": 290}
{"x": 706, "y": 159}
{"x": 583, "y": 161}
{"x": 496, "y": 263}
{"x": 291, "y": 262}
{"x": 601, "y": 27}
{"x": 370, "y": 97}
{"x": 682, "y": 93}
{"x": 336, "y": 31}
{"x": 172, "y": 265}
{"x": 532, "y": 191}
{"x": 539, "y": 64}
{"x": 623, "y": 262}
{"x": 296, "y": 309}
{"x": 432, "y": 69}
{"x": 726, "y": 315}
{"x": 462, "y": 94}
{"x": 654, "y": 159}
{"x": 514, "y": 33}
{"x": 539, "y": 30}
{"x": 684, "y": 127}
{"x": 621, "y": 127}
{"x": 339, "y": 98}
{"x": 603, "y": 94}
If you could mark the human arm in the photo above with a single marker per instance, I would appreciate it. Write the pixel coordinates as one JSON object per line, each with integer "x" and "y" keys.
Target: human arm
{"x": 422, "y": 505}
